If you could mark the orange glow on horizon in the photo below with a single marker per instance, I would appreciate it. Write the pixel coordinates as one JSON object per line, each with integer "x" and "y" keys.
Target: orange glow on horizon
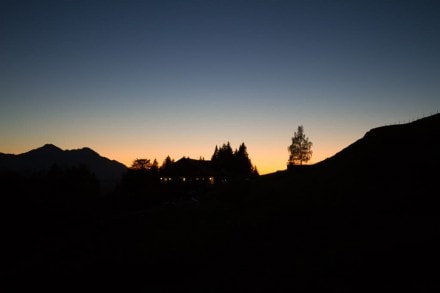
{"x": 266, "y": 162}
{"x": 268, "y": 157}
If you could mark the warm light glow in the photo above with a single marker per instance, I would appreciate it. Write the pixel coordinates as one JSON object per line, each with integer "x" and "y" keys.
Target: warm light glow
{"x": 267, "y": 161}
{"x": 180, "y": 83}
{"x": 268, "y": 155}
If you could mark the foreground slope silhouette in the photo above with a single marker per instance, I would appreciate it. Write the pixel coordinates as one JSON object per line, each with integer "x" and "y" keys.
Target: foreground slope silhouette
{"x": 364, "y": 219}
{"x": 391, "y": 169}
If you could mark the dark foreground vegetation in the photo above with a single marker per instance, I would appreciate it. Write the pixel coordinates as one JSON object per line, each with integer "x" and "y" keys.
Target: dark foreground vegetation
{"x": 364, "y": 220}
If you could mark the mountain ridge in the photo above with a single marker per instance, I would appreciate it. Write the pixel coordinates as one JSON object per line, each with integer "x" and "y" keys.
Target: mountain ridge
{"x": 391, "y": 143}
{"x": 42, "y": 158}
{"x": 391, "y": 169}
{"x": 361, "y": 220}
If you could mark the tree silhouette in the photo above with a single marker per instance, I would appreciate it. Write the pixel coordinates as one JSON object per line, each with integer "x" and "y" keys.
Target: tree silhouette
{"x": 223, "y": 158}
{"x": 142, "y": 177}
{"x": 255, "y": 172}
{"x": 243, "y": 164}
{"x": 154, "y": 167}
{"x": 166, "y": 163}
{"x": 233, "y": 164}
{"x": 301, "y": 148}
{"x": 215, "y": 154}
{"x": 141, "y": 164}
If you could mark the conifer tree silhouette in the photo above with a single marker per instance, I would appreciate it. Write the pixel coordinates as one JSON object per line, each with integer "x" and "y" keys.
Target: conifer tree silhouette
{"x": 301, "y": 148}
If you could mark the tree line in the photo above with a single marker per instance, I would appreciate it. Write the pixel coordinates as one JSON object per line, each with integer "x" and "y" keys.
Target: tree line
{"x": 234, "y": 164}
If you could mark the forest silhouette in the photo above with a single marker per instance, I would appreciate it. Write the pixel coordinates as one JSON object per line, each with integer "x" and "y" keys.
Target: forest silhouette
{"x": 363, "y": 219}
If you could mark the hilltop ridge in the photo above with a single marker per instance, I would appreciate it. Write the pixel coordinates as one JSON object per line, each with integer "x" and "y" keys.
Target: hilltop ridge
{"x": 393, "y": 143}
{"x": 391, "y": 168}
{"x": 361, "y": 220}
{"x": 42, "y": 158}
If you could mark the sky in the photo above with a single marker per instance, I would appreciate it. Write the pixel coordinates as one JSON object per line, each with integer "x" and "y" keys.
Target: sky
{"x": 147, "y": 79}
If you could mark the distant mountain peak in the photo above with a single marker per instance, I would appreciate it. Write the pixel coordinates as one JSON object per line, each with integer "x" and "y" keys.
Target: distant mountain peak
{"x": 42, "y": 158}
{"x": 87, "y": 149}
{"x": 50, "y": 146}
{"x": 45, "y": 149}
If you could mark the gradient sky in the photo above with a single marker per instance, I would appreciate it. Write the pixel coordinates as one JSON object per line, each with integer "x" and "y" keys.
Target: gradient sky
{"x": 147, "y": 79}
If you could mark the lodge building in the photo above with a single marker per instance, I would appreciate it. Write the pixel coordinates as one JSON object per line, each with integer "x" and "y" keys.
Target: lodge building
{"x": 191, "y": 171}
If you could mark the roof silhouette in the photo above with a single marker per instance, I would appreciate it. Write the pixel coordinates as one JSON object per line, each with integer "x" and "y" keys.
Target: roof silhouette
{"x": 186, "y": 167}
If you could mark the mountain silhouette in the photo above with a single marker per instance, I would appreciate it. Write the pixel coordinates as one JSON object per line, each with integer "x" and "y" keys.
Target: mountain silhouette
{"x": 363, "y": 219}
{"x": 391, "y": 168}
{"x": 410, "y": 144}
{"x": 41, "y": 159}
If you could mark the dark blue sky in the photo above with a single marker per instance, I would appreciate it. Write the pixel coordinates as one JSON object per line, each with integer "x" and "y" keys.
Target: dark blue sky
{"x": 150, "y": 78}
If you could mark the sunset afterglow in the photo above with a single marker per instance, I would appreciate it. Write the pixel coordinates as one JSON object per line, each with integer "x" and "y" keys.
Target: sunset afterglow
{"x": 147, "y": 79}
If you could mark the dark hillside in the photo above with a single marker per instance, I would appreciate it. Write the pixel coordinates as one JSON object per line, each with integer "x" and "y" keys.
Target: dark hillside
{"x": 364, "y": 219}
{"x": 392, "y": 168}
{"x": 374, "y": 205}
{"x": 409, "y": 144}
